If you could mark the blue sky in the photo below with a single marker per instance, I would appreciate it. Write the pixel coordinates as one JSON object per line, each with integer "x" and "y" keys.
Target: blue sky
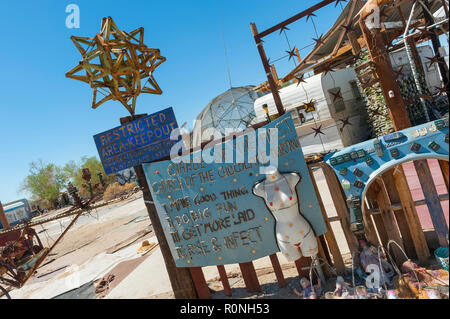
{"x": 44, "y": 115}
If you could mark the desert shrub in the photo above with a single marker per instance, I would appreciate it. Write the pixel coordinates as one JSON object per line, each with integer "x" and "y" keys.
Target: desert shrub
{"x": 115, "y": 190}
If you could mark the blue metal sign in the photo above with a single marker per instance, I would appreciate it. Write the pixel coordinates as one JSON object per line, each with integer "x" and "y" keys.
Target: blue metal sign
{"x": 358, "y": 165}
{"x": 143, "y": 140}
{"x": 210, "y": 212}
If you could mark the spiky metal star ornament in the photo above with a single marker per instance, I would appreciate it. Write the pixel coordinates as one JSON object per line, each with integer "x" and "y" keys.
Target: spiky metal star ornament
{"x": 292, "y": 54}
{"x": 318, "y": 131}
{"x": 300, "y": 79}
{"x": 345, "y": 122}
{"x": 435, "y": 59}
{"x": 310, "y": 106}
{"x": 336, "y": 95}
{"x": 115, "y": 62}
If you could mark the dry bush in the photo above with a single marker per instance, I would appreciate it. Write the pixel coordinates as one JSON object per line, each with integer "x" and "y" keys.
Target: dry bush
{"x": 116, "y": 190}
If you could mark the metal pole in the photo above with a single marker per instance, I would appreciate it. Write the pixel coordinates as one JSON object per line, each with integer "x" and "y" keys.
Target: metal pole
{"x": 273, "y": 86}
{"x": 413, "y": 65}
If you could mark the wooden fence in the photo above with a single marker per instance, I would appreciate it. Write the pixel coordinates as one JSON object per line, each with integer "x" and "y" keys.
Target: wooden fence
{"x": 389, "y": 214}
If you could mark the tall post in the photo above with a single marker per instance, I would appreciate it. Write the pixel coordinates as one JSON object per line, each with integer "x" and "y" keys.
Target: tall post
{"x": 391, "y": 90}
{"x": 436, "y": 44}
{"x": 3, "y": 218}
{"x": 270, "y": 78}
{"x": 180, "y": 278}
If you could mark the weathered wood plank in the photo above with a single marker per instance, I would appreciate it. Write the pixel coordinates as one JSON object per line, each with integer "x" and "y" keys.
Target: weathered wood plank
{"x": 389, "y": 222}
{"x": 418, "y": 237}
{"x": 277, "y": 269}
{"x": 432, "y": 200}
{"x": 200, "y": 283}
{"x": 250, "y": 278}
{"x": 340, "y": 203}
{"x": 224, "y": 280}
{"x": 369, "y": 227}
{"x": 329, "y": 235}
{"x": 399, "y": 214}
{"x": 444, "y": 169}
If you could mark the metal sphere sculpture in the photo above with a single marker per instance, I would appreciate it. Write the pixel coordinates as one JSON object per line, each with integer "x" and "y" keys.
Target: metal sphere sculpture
{"x": 114, "y": 63}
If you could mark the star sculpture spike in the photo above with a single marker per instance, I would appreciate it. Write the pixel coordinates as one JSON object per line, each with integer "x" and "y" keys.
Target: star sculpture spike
{"x": 283, "y": 28}
{"x": 338, "y": 1}
{"x": 347, "y": 27}
{"x": 425, "y": 96}
{"x": 336, "y": 95}
{"x": 399, "y": 73}
{"x": 345, "y": 122}
{"x": 356, "y": 57}
{"x": 408, "y": 100}
{"x": 376, "y": 112}
{"x": 435, "y": 59}
{"x": 310, "y": 15}
{"x": 424, "y": 32}
{"x": 319, "y": 41}
{"x": 300, "y": 79}
{"x": 291, "y": 54}
{"x": 327, "y": 69}
{"x": 442, "y": 90}
{"x": 318, "y": 131}
{"x": 124, "y": 62}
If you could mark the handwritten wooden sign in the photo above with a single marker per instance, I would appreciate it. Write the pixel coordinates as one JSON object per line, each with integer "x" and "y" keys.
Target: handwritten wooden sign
{"x": 209, "y": 213}
{"x": 143, "y": 140}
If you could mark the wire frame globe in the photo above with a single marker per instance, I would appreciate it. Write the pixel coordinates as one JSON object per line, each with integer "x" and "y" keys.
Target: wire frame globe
{"x": 233, "y": 109}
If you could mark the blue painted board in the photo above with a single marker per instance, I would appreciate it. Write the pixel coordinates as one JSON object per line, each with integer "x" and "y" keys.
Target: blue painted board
{"x": 143, "y": 140}
{"x": 208, "y": 211}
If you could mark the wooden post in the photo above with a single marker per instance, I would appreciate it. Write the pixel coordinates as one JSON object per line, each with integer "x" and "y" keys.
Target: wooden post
{"x": 224, "y": 280}
{"x": 389, "y": 222}
{"x": 444, "y": 169}
{"x": 388, "y": 82}
{"x": 339, "y": 202}
{"x": 270, "y": 79}
{"x": 377, "y": 220}
{"x": 180, "y": 278}
{"x": 329, "y": 235}
{"x": 277, "y": 269}
{"x": 3, "y": 218}
{"x": 433, "y": 202}
{"x": 400, "y": 215}
{"x": 418, "y": 237}
{"x": 302, "y": 263}
{"x": 250, "y": 278}
{"x": 200, "y": 283}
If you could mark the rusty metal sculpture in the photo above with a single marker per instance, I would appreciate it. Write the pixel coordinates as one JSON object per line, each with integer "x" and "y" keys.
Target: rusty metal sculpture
{"x": 114, "y": 63}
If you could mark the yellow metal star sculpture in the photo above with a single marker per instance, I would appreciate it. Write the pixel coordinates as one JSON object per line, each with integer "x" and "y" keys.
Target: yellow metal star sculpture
{"x": 114, "y": 63}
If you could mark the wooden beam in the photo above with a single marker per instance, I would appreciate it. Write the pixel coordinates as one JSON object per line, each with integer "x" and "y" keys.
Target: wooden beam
{"x": 399, "y": 214}
{"x": 432, "y": 201}
{"x": 294, "y": 18}
{"x": 390, "y": 223}
{"x": 377, "y": 220}
{"x": 277, "y": 269}
{"x": 377, "y": 49}
{"x": 301, "y": 263}
{"x": 444, "y": 169}
{"x": 250, "y": 277}
{"x": 224, "y": 280}
{"x": 200, "y": 283}
{"x": 270, "y": 78}
{"x": 329, "y": 235}
{"x": 340, "y": 203}
{"x": 412, "y": 218}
